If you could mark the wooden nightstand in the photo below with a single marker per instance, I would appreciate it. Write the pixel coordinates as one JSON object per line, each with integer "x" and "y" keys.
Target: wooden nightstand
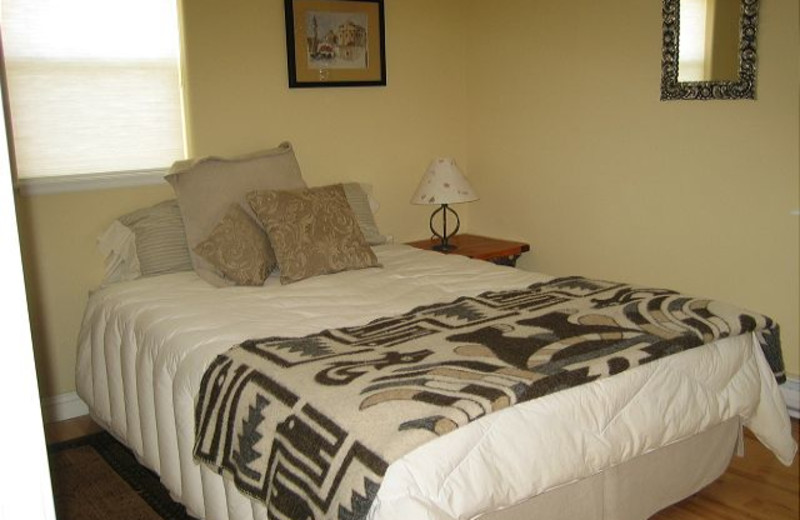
{"x": 501, "y": 252}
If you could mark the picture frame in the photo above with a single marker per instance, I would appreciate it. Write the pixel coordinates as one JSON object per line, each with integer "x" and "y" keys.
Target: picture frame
{"x": 335, "y": 43}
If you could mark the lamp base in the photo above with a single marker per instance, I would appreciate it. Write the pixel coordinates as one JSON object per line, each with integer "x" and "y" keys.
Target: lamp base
{"x": 444, "y": 248}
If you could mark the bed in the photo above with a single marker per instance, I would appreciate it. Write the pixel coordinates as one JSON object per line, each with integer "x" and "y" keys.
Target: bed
{"x": 619, "y": 446}
{"x": 144, "y": 345}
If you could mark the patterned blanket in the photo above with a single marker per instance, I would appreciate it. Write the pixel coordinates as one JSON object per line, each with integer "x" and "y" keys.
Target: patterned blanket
{"x": 309, "y": 425}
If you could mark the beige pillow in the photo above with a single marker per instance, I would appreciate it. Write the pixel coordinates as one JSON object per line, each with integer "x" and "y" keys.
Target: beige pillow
{"x": 238, "y": 247}
{"x": 312, "y": 231}
{"x": 206, "y": 187}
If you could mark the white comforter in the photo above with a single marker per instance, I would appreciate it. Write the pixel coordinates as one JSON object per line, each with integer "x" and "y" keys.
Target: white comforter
{"x": 144, "y": 345}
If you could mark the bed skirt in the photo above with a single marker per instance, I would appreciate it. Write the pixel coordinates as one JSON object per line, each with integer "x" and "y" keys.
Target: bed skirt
{"x": 631, "y": 491}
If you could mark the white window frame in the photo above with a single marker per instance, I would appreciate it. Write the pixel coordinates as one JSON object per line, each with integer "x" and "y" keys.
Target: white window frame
{"x": 90, "y": 181}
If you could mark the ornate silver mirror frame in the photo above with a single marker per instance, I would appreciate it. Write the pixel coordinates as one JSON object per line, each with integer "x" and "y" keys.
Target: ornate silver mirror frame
{"x": 743, "y": 88}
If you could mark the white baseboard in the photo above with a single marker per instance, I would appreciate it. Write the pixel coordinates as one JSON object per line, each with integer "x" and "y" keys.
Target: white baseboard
{"x": 63, "y": 407}
{"x": 791, "y": 394}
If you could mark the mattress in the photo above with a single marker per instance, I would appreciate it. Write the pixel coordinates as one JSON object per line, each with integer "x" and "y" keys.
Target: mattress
{"x": 144, "y": 345}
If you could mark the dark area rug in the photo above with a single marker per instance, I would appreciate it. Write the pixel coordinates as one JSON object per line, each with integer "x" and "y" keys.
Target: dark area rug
{"x": 97, "y": 478}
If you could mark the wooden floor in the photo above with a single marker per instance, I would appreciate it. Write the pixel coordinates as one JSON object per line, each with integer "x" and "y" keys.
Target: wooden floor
{"x": 71, "y": 429}
{"x": 756, "y": 487}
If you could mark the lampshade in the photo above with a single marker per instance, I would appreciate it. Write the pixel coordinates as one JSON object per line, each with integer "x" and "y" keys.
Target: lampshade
{"x": 443, "y": 183}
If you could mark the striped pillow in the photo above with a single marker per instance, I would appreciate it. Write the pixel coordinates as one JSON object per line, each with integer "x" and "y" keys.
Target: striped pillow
{"x": 160, "y": 238}
{"x": 358, "y": 198}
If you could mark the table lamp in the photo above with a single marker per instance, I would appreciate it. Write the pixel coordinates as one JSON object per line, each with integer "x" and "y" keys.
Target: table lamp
{"x": 443, "y": 184}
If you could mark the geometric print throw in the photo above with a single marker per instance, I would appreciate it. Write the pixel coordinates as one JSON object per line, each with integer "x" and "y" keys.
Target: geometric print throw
{"x": 309, "y": 425}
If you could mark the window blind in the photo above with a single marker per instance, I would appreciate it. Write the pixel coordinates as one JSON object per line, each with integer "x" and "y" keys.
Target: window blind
{"x": 94, "y": 85}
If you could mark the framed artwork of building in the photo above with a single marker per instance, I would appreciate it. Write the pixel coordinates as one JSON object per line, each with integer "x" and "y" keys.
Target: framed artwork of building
{"x": 335, "y": 43}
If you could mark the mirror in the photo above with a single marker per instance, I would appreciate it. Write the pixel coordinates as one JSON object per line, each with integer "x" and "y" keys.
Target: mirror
{"x": 709, "y": 49}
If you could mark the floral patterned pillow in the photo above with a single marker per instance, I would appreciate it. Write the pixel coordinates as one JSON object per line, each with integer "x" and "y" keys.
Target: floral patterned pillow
{"x": 238, "y": 247}
{"x": 312, "y": 231}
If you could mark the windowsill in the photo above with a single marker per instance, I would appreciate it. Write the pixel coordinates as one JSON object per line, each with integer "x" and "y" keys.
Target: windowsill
{"x": 92, "y": 181}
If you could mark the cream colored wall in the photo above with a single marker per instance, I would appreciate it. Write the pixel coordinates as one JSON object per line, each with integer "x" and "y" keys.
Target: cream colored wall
{"x": 238, "y": 101}
{"x": 571, "y": 149}
{"x": 724, "y": 39}
{"x": 567, "y": 148}
{"x": 57, "y": 236}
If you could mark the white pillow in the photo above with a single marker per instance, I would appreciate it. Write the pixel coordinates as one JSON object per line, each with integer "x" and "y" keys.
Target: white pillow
{"x": 117, "y": 244}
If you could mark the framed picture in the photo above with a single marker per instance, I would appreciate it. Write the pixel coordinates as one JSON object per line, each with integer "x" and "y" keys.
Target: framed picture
{"x": 335, "y": 43}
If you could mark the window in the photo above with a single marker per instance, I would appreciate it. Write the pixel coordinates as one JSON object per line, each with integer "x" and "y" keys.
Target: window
{"x": 94, "y": 85}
